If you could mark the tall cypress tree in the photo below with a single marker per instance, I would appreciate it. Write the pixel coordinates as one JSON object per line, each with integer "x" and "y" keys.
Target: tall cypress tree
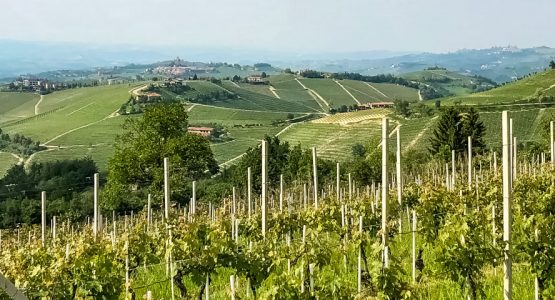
{"x": 474, "y": 127}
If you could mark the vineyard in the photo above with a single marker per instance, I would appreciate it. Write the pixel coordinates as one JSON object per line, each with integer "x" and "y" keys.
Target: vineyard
{"x": 474, "y": 227}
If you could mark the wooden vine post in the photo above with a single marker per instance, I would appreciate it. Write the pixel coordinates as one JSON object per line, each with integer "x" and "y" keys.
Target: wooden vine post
{"x": 507, "y": 210}
{"x": 43, "y": 216}
{"x": 337, "y": 183}
{"x": 264, "y": 185}
{"x": 166, "y": 189}
{"x": 95, "y": 207}
{"x": 249, "y": 190}
{"x": 315, "y": 176}
{"x": 384, "y": 185}
{"x": 551, "y": 127}
{"x": 398, "y": 169}
{"x": 469, "y": 163}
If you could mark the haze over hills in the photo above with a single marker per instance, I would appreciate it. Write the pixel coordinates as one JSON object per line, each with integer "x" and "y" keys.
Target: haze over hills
{"x": 500, "y": 64}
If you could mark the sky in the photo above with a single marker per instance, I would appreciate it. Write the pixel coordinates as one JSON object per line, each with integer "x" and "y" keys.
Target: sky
{"x": 285, "y": 25}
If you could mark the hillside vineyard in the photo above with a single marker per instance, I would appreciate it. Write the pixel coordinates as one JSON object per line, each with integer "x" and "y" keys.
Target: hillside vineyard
{"x": 476, "y": 226}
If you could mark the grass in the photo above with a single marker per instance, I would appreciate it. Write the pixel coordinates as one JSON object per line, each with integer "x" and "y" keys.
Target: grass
{"x": 15, "y": 106}
{"x": 330, "y": 91}
{"x": 457, "y": 85}
{"x": 354, "y": 117}
{"x": 6, "y": 162}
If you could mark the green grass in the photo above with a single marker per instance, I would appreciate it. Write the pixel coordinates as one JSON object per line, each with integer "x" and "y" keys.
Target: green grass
{"x": 257, "y": 88}
{"x": 457, "y": 84}
{"x": 6, "y": 161}
{"x": 15, "y": 106}
{"x": 73, "y": 109}
{"x": 330, "y": 91}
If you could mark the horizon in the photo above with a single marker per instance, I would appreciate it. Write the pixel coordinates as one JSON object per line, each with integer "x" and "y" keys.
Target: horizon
{"x": 328, "y": 27}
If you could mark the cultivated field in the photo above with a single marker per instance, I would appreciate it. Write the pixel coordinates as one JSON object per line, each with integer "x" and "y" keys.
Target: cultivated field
{"x": 7, "y": 160}
{"x": 16, "y": 106}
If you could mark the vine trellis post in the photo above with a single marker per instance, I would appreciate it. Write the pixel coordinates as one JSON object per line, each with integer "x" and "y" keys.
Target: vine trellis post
{"x": 507, "y": 211}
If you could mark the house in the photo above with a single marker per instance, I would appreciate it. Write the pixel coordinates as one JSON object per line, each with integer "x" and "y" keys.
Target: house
{"x": 151, "y": 96}
{"x": 256, "y": 79}
{"x": 203, "y": 131}
{"x": 372, "y": 105}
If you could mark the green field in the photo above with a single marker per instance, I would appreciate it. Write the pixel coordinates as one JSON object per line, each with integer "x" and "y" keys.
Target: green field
{"x": 333, "y": 141}
{"x": 15, "y": 106}
{"x": 100, "y": 154}
{"x": 243, "y": 139}
{"x": 330, "y": 91}
{"x": 395, "y": 91}
{"x": 226, "y": 116}
{"x": 73, "y": 109}
{"x": 542, "y": 83}
{"x": 449, "y": 81}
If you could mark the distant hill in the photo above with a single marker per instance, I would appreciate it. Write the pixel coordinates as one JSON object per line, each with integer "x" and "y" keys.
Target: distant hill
{"x": 501, "y": 64}
{"x": 450, "y": 83}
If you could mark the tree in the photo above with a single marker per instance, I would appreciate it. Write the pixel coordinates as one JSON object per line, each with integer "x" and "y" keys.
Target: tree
{"x": 473, "y": 127}
{"x": 452, "y": 132}
{"x": 552, "y": 64}
{"x": 402, "y": 108}
{"x": 448, "y": 134}
{"x": 236, "y": 78}
{"x": 139, "y": 155}
{"x": 358, "y": 150}
{"x": 263, "y": 75}
{"x": 195, "y": 77}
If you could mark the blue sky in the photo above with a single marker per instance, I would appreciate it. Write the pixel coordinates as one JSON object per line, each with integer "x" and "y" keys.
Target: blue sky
{"x": 286, "y": 25}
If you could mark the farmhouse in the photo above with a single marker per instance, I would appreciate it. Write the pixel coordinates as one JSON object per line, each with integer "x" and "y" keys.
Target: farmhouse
{"x": 203, "y": 131}
{"x": 375, "y": 105}
{"x": 256, "y": 79}
{"x": 153, "y": 96}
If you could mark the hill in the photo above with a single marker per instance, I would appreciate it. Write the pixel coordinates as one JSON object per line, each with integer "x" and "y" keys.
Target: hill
{"x": 450, "y": 83}
{"x": 534, "y": 88}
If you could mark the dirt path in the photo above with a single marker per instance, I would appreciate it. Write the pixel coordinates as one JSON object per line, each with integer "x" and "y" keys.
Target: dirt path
{"x": 137, "y": 91}
{"x": 375, "y": 89}
{"x": 419, "y": 135}
{"x": 315, "y": 96}
{"x": 191, "y": 108}
{"x": 347, "y": 91}
{"x": 37, "y": 105}
{"x": 234, "y": 83}
{"x": 273, "y": 90}
{"x": 420, "y": 98}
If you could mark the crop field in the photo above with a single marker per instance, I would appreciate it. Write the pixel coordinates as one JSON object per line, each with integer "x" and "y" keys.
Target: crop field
{"x": 254, "y": 101}
{"x": 73, "y": 109}
{"x": 362, "y": 91}
{"x": 226, "y": 116}
{"x": 354, "y": 117}
{"x": 285, "y": 82}
{"x": 15, "y": 106}
{"x": 333, "y": 141}
{"x": 243, "y": 139}
{"x": 515, "y": 91}
{"x": 100, "y": 154}
{"x": 257, "y": 88}
{"x": 395, "y": 91}
{"x": 415, "y": 133}
{"x": 330, "y": 91}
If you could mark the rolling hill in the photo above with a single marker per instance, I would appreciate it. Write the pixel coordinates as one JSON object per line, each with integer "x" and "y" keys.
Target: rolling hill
{"x": 532, "y": 88}
{"x": 451, "y": 83}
